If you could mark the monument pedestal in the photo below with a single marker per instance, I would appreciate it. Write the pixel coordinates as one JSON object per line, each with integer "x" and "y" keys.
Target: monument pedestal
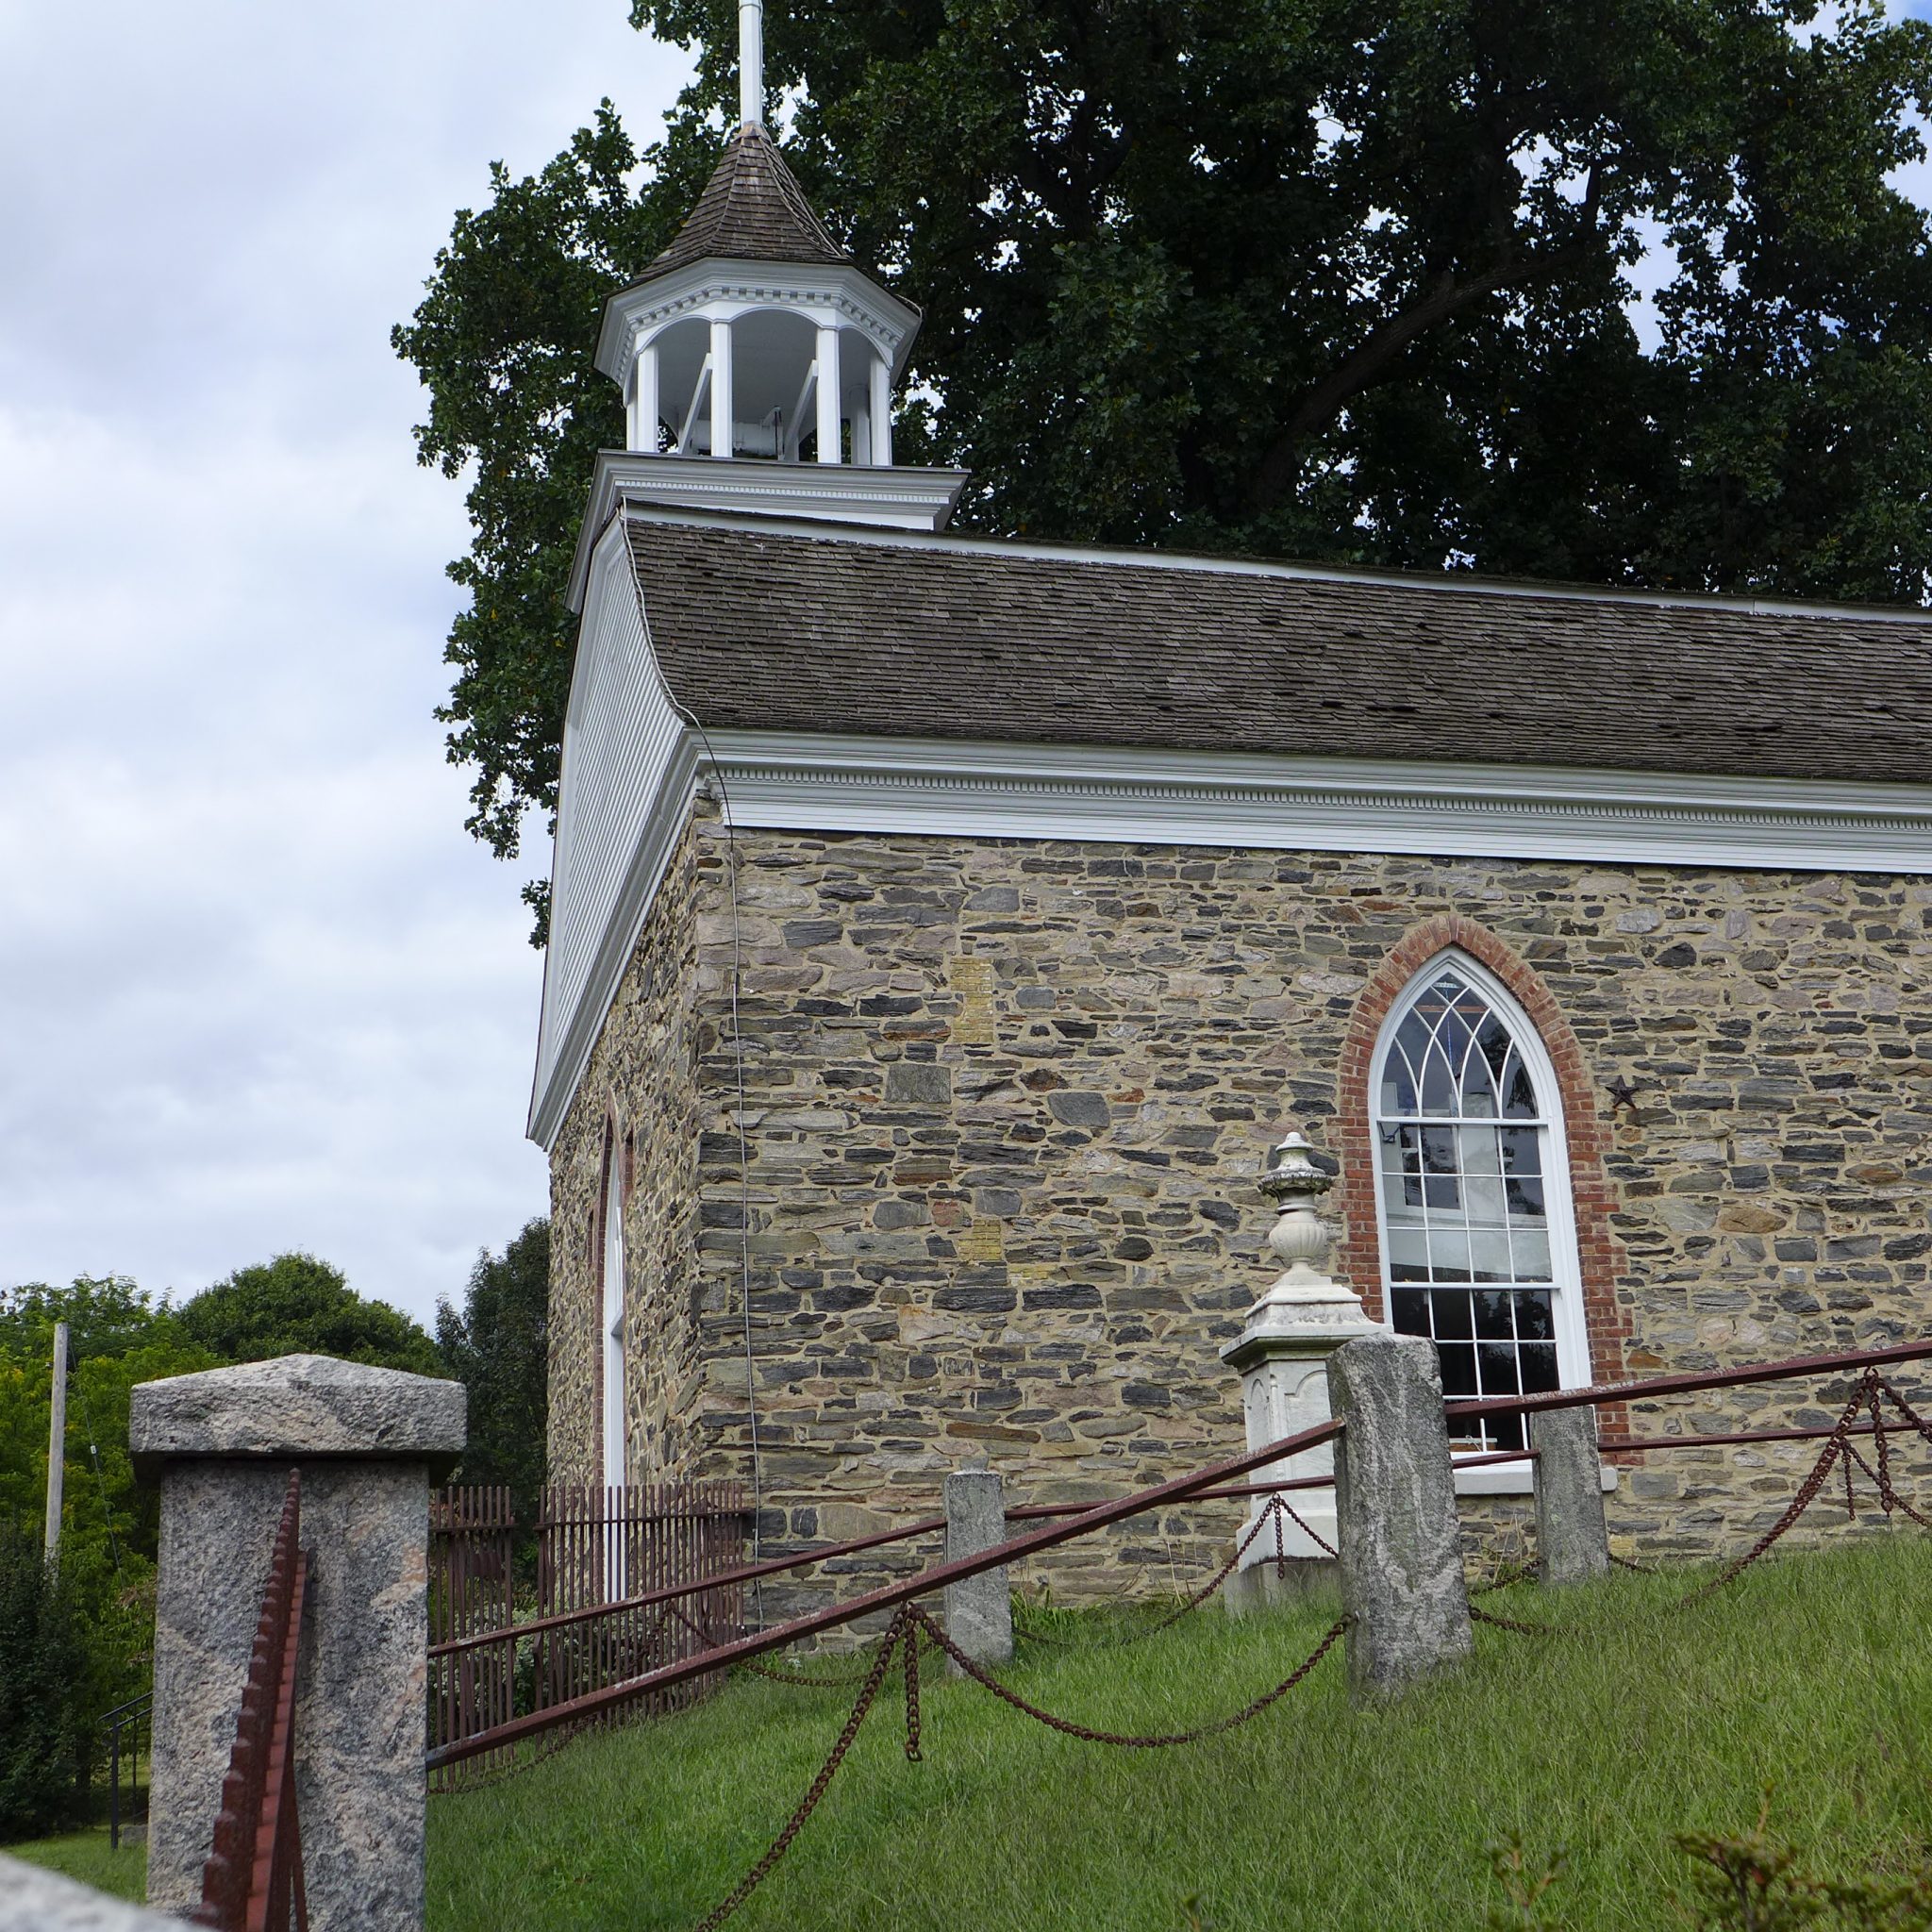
{"x": 1282, "y": 1354}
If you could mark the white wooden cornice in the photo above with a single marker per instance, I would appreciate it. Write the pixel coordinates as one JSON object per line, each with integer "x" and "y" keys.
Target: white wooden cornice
{"x": 1126, "y": 795}
{"x": 802, "y": 781}
{"x": 717, "y": 284}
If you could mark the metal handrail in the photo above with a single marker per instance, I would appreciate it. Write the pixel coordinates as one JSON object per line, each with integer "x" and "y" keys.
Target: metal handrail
{"x": 1101, "y": 1516}
{"x": 1691, "y": 1383}
{"x": 888, "y": 1596}
{"x": 671, "y": 1593}
{"x": 127, "y": 1716}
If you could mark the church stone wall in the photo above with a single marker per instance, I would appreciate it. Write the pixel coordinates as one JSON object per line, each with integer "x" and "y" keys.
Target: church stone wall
{"x": 1006, "y": 1103}
{"x": 639, "y": 1099}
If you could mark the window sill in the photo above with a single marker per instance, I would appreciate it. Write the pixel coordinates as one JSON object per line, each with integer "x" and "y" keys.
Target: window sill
{"x": 1513, "y": 1480}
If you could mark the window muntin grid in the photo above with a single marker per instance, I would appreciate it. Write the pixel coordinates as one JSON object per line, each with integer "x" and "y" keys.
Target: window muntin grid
{"x": 1469, "y": 1255}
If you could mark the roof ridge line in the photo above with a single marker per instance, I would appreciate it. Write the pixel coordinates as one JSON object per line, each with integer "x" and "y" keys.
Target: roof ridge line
{"x": 830, "y": 529}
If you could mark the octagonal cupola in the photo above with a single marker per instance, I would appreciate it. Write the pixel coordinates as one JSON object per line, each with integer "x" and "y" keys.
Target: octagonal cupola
{"x": 755, "y": 336}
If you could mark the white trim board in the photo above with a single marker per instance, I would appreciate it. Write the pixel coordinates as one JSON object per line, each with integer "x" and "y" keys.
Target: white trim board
{"x": 1517, "y": 1479}
{"x": 630, "y": 769}
{"x": 760, "y": 494}
{"x": 809, "y": 782}
{"x": 799, "y": 781}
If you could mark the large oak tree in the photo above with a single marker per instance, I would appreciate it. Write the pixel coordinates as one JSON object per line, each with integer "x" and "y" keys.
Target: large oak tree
{"x": 1622, "y": 291}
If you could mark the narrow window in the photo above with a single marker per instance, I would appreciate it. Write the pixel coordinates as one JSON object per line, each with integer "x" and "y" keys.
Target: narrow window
{"x": 1478, "y": 1240}
{"x": 613, "y": 1318}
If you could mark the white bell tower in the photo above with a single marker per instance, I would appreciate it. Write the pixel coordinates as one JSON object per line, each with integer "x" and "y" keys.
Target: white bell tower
{"x": 758, "y": 361}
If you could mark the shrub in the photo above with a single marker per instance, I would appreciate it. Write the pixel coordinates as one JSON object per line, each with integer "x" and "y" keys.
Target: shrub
{"x": 45, "y": 1734}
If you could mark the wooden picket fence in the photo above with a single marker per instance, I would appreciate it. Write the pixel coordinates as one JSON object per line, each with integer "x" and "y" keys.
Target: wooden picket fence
{"x": 598, "y": 1549}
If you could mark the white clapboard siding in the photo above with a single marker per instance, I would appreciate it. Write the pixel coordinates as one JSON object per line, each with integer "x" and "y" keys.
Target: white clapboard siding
{"x": 629, "y": 765}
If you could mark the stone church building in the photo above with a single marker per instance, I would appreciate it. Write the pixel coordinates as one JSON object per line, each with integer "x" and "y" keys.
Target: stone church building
{"x": 945, "y": 928}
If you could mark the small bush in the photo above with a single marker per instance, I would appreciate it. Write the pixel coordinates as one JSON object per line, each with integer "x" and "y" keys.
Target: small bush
{"x": 1754, "y": 1881}
{"x": 44, "y": 1695}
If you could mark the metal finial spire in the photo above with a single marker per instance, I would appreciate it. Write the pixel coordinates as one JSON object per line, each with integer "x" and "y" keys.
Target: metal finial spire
{"x": 751, "y": 63}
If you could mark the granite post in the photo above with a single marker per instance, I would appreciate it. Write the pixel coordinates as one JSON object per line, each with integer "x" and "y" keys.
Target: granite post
{"x": 1571, "y": 1545}
{"x": 1282, "y": 1353}
{"x": 32, "y": 1900}
{"x": 1395, "y": 1502}
{"x": 979, "y": 1611}
{"x": 368, "y": 1443}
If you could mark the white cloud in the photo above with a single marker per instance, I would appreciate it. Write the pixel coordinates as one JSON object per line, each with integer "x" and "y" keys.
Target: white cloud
{"x": 257, "y": 988}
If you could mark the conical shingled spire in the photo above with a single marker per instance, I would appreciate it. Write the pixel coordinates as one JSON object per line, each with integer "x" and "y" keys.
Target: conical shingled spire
{"x": 751, "y": 209}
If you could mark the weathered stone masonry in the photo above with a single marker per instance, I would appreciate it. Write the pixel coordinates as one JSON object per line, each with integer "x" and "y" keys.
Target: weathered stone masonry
{"x": 1006, "y": 1102}
{"x": 638, "y": 1103}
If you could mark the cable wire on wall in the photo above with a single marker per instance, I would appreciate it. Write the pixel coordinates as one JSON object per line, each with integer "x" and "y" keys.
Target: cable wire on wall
{"x": 751, "y": 1400}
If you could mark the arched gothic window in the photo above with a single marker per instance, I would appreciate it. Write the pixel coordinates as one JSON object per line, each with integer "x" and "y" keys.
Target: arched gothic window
{"x": 1473, "y": 1189}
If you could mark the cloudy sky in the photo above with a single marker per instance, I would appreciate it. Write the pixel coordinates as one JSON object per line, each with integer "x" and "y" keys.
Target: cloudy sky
{"x": 258, "y": 990}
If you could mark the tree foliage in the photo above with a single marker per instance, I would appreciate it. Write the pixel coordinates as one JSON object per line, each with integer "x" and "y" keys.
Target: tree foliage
{"x": 497, "y": 1344}
{"x": 1622, "y": 291}
{"x": 296, "y": 1305}
{"x": 45, "y": 1707}
{"x": 118, "y": 1335}
{"x": 105, "y": 1315}
{"x": 80, "y": 1641}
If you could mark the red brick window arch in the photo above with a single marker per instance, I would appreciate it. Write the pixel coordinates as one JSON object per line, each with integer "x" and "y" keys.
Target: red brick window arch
{"x": 1473, "y": 1183}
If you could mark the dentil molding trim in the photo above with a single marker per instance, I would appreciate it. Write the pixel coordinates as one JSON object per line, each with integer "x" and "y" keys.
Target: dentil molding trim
{"x": 799, "y": 781}
{"x": 808, "y": 782}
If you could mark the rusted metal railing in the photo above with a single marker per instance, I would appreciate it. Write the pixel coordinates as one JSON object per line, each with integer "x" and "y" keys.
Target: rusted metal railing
{"x": 889, "y": 1597}
{"x": 125, "y": 1722}
{"x": 472, "y": 1602}
{"x": 737, "y": 1575}
{"x": 253, "y": 1879}
{"x": 1693, "y": 1382}
{"x": 608, "y": 1561}
{"x": 600, "y": 1550}
{"x": 1218, "y": 1478}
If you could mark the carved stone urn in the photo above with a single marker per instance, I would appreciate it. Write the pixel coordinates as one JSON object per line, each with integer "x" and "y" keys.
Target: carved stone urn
{"x": 1282, "y": 1354}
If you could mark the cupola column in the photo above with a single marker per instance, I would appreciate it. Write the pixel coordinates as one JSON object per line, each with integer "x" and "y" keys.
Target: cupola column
{"x": 722, "y": 432}
{"x": 829, "y": 450}
{"x": 644, "y": 399}
{"x": 881, "y": 378}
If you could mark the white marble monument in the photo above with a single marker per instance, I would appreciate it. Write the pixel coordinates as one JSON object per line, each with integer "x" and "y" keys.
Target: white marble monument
{"x": 1282, "y": 1354}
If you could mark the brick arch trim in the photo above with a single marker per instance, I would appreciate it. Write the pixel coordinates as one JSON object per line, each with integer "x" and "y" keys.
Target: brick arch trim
{"x": 1605, "y": 1321}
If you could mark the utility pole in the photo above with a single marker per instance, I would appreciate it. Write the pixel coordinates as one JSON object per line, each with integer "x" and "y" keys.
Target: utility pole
{"x": 57, "y": 1443}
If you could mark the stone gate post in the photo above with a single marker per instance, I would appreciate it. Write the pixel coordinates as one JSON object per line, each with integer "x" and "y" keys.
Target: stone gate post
{"x": 1571, "y": 1545}
{"x": 368, "y": 1443}
{"x": 1282, "y": 1354}
{"x": 979, "y": 1611}
{"x": 1395, "y": 1496}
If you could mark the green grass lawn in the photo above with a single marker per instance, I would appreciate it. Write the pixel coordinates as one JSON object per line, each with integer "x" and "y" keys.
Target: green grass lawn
{"x": 1813, "y": 1675}
{"x": 85, "y": 1855}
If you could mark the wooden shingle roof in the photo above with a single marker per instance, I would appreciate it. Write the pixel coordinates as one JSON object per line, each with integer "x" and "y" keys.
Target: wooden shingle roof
{"x": 834, "y": 629}
{"x": 751, "y": 209}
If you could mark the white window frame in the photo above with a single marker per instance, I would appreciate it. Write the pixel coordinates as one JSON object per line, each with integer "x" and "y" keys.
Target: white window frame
{"x": 1566, "y": 1274}
{"x": 611, "y": 1325}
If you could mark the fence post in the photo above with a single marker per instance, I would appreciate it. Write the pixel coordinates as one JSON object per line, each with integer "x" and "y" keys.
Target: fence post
{"x": 979, "y": 1611}
{"x": 1395, "y": 1506}
{"x": 367, "y": 1441}
{"x": 1571, "y": 1545}
{"x": 1282, "y": 1353}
